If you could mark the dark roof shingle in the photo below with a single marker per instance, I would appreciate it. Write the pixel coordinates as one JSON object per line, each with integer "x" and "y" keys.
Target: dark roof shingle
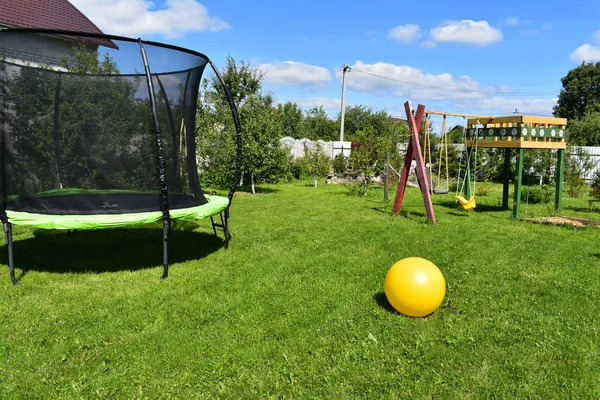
{"x": 45, "y": 14}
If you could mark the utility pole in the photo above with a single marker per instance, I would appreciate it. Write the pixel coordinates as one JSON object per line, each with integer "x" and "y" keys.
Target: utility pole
{"x": 346, "y": 69}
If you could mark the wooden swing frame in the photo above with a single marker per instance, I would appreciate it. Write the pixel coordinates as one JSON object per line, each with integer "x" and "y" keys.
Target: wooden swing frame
{"x": 414, "y": 152}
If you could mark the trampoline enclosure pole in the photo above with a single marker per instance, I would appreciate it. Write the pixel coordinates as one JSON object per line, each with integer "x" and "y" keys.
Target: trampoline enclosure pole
{"x": 161, "y": 161}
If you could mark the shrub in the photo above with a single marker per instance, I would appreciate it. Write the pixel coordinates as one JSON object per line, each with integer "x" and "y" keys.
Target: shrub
{"x": 537, "y": 194}
{"x": 595, "y": 192}
{"x": 482, "y": 190}
{"x": 576, "y": 185}
{"x": 340, "y": 164}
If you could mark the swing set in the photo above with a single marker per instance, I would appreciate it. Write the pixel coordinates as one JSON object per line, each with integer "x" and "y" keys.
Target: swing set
{"x": 469, "y": 203}
{"x": 512, "y": 132}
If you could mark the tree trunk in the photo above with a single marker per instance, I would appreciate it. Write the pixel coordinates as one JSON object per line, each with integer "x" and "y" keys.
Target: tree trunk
{"x": 316, "y": 180}
{"x": 252, "y": 182}
{"x": 241, "y": 183}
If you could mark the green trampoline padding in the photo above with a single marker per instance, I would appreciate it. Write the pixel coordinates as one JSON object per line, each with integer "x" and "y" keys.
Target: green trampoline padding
{"x": 215, "y": 205}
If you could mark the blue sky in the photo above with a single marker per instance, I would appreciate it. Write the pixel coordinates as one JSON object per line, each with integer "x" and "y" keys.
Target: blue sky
{"x": 486, "y": 58}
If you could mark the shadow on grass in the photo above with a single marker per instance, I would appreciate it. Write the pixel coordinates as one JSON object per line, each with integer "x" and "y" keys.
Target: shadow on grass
{"x": 381, "y": 299}
{"x": 247, "y": 189}
{"x": 579, "y": 209}
{"x": 451, "y": 204}
{"x": 108, "y": 250}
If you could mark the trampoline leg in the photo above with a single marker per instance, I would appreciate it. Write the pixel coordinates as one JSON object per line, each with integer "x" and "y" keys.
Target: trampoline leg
{"x": 212, "y": 221}
{"x": 165, "y": 250}
{"x": 8, "y": 237}
{"x": 225, "y": 224}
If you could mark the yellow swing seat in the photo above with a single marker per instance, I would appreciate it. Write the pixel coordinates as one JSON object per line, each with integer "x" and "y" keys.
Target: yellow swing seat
{"x": 466, "y": 204}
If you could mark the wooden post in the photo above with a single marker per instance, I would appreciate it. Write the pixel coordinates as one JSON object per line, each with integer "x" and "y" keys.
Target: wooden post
{"x": 518, "y": 178}
{"x": 506, "y": 186}
{"x": 387, "y": 173}
{"x": 560, "y": 168}
{"x": 410, "y": 153}
{"x": 414, "y": 151}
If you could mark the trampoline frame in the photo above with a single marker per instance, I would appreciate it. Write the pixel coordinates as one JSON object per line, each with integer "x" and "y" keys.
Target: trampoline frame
{"x": 164, "y": 192}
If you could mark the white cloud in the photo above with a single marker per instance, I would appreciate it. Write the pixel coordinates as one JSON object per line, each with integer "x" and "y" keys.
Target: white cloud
{"x": 501, "y": 105}
{"x": 405, "y": 33}
{"x": 511, "y": 21}
{"x": 292, "y": 73}
{"x": 406, "y": 81}
{"x": 142, "y": 17}
{"x": 478, "y": 33}
{"x": 585, "y": 52}
{"x": 327, "y": 103}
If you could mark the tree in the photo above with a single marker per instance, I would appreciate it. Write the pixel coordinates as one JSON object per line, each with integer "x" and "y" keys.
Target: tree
{"x": 264, "y": 158}
{"x": 316, "y": 162}
{"x": 76, "y": 131}
{"x": 316, "y": 125}
{"x": 580, "y": 94}
{"x": 586, "y": 131}
{"x": 291, "y": 119}
{"x": 359, "y": 118}
{"x": 371, "y": 147}
{"x": 455, "y": 135}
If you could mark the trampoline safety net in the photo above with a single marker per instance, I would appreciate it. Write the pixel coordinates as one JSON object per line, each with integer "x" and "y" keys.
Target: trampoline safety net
{"x": 81, "y": 124}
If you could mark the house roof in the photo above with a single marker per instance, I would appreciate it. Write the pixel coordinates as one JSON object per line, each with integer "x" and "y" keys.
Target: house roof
{"x": 45, "y": 14}
{"x": 50, "y": 14}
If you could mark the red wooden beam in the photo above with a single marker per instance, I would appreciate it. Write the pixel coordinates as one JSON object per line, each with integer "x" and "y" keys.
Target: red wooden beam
{"x": 414, "y": 151}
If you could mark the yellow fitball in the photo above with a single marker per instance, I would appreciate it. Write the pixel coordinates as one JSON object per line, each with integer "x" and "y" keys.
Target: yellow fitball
{"x": 415, "y": 286}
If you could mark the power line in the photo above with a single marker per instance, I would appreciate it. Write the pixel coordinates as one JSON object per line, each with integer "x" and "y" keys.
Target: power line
{"x": 457, "y": 90}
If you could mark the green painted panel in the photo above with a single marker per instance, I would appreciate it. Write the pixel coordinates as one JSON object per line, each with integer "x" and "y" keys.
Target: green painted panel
{"x": 552, "y": 133}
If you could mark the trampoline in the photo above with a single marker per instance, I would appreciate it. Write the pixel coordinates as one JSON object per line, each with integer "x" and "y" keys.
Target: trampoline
{"x": 98, "y": 131}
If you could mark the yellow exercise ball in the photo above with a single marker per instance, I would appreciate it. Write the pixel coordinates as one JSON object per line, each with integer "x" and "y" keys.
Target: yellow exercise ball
{"x": 415, "y": 286}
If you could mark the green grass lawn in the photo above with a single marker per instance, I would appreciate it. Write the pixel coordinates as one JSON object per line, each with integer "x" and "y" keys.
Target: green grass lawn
{"x": 295, "y": 307}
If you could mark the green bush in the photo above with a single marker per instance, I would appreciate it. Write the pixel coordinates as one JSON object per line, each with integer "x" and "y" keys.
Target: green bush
{"x": 576, "y": 185}
{"x": 537, "y": 194}
{"x": 595, "y": 192}
{"x": 482, "y": 190}
{"x": 340, "y": 163}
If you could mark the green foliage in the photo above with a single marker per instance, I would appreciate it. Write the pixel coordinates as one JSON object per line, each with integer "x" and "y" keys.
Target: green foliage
{"x": 455, "y": 134}
{"x": 595, "y": 186}
{"x": 291, "y": 119}
{"x": 316, "y": 125}
{"x": 538, "y": 164}
{"x": 580, "y": 94}
{"x": 585, "y": 131}
{"x": 242, "y": 79}
{"x": 537, "y": 194}
{"x": 368, "y": 157}
{"x": 340, "y": 163}
{"x": 359, "y": 119}
{"x": 373, "y": 136}
{"x": 89, "y": 145}
{"x": 265, "y": 159}
{"x": 483, "y": 189}
{"x": 316, "y": 162}
{"x": 578, "y": 162}
{"x": 87, "y": 61}
{"x": 576, "y": 185}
